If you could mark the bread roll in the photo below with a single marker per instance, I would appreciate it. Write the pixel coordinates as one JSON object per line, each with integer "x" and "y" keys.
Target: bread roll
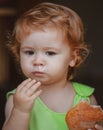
{"x": 84, "y": 116}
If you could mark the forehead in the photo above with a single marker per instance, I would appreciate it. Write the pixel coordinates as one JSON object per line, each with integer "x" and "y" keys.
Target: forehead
{"x": 52, "y": 35}
{"x": 49, "y": 38}
{"x": 23, "y": 30}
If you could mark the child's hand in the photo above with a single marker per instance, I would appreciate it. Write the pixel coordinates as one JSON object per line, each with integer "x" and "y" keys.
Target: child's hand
{"x": 98, "y": 127}
{"x": 26, "y": 94}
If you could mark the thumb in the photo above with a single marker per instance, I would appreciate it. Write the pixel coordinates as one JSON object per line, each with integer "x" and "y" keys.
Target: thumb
{"x": 98, "y": 127}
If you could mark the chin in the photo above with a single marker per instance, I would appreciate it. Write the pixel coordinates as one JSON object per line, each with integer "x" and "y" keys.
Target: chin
{"x": 84, "y": 116}
{"x": 42, "y": 80}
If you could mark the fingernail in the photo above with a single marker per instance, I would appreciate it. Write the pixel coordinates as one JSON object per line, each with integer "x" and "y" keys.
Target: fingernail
{"x": 34, "y": 80}
{"x": 38, "y": 83}
{"x": 96, "y": 126}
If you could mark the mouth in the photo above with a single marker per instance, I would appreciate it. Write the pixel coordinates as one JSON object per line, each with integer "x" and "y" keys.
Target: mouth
{"x": 38, "y": 73}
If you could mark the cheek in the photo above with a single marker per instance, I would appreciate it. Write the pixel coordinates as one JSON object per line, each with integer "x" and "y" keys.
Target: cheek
{"x": 59, "y": 65}
{"x": 25, "y": 65}
{"x": 22, "y": 62}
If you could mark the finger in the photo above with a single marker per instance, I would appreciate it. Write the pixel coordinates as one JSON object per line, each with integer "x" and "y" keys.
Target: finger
{"x": 23, "y": 83}
{"x": 98, "y": 127}
{"x": 36, "y": 94}
{"x": 33, "y": 89}
{"x": 28, "y": 86}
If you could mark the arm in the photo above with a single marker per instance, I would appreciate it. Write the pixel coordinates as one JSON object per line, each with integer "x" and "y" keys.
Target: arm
{"x": 19, "y": 105}
{"x": 15, "y": 119}
{"x": 93, "y": 100}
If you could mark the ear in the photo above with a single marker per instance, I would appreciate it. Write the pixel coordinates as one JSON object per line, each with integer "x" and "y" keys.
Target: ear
{"x": 72, "y": 62}
{"x": 73, "y": 59}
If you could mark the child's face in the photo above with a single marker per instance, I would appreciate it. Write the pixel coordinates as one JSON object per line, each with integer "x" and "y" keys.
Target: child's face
{"x": 45, "y": 56}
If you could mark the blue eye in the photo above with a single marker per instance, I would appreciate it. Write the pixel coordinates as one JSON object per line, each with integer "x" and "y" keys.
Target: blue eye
{"x": 50, "y": 53}
{"x": 29, "y": 52}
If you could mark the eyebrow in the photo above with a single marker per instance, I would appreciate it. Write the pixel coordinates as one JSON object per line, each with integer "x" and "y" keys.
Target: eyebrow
{"x": 51, "y": 48}
{"x": 26, "y": 47}
{"x": 45, "y": 48}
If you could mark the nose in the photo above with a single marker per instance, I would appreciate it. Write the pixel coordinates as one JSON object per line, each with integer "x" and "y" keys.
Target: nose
{"x": 38, "y": 60}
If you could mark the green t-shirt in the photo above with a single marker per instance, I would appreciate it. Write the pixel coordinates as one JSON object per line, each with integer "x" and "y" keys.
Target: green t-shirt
{"x": 43, "y": 118}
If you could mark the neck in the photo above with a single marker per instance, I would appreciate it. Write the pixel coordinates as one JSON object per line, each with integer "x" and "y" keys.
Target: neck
{"x": 55, "y": 89}
{"x": 55, "y": 96}
{"x": 55, "y": 86}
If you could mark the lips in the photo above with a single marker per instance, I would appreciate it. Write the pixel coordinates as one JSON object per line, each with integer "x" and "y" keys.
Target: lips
{"x": 38, "y": 73}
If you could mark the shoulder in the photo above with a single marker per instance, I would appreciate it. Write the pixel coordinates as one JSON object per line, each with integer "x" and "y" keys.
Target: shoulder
{"x": 9, "y": 103}
{"x": 93, "y": 100}
{"x": 9, "y": 106}
{"x": 82, "y": 89}
{"x": 10, "y": 93}
{"x": 85, "y": 91}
